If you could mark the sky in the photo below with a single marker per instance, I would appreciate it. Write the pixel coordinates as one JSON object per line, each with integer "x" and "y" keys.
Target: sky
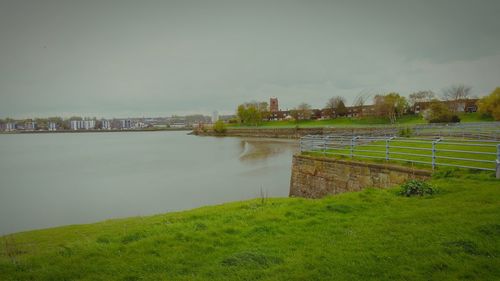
{"x": 121, "y": 58}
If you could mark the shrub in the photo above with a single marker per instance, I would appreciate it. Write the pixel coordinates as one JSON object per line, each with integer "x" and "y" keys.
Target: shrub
{"x": 220, "y": 127}
{"x": 417, "y": 187}
{"x": 405, "y": 132}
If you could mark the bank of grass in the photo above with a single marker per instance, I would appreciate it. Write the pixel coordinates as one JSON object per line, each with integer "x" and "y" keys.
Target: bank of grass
{"x": 370, "y": 235}
{"x": 345, "y": 122}
{"x": 415, "y": 151}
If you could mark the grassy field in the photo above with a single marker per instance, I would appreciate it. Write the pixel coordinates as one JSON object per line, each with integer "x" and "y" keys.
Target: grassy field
{"x": 356, "y": 122}
{"x": 421, "y": 150}
{"x": 370, "y": 235}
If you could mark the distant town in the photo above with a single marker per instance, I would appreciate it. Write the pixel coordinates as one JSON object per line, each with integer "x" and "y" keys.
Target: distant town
{"x": 77, "y": 123}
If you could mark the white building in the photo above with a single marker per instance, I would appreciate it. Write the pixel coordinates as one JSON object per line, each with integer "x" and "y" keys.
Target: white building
{"x": 105, "y": 124}
{"x": 82, "y": 124}
{"x": 215, "y": 116}
{"x": 10, "y": 126}
{"x": 126, "y": 124}
{"x": 52, "y": 126}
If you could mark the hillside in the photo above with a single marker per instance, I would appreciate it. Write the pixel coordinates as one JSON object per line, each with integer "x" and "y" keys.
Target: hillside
{"x": 357, "y": 122}
{"x": 374, "y": 234}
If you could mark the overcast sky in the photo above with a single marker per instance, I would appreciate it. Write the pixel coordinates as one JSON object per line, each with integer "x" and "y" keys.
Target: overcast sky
{"x": 158, "y": 58}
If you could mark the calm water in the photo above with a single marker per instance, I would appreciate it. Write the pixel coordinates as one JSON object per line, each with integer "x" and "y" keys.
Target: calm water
{"x": 57, "y": 179}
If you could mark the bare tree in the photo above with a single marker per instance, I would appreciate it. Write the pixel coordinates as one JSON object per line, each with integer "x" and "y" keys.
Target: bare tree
{"x": 334, "y": 104}
{"x": 361, "y": 100}
{"x": 455, "y": 94}
{"x": 302, "y": 112}
{"x": 421, "y": 96}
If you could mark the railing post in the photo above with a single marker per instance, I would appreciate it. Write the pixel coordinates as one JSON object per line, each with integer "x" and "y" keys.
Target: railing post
{"x": 498, "y": 162}
{"x": 324, "y": 145}
{"x": 433, "y": 155}
{"x": 387, "y": 149}
{"x": 352, "y": 146}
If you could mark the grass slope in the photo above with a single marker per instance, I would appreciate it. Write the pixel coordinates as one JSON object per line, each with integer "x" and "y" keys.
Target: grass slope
{"x": 369, "y": 235}
{"x": 356, "y": 122}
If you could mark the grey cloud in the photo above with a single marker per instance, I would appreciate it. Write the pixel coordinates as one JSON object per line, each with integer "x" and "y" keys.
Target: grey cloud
{"x": 139, "y": 58}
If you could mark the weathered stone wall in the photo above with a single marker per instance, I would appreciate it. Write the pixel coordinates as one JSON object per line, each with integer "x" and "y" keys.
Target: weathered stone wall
{"x": 291, "y": 133}
{"x": 315, "y": 177}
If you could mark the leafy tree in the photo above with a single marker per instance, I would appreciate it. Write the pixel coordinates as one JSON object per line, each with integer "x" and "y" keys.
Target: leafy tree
{"x": 490, "y": 104}
{"x": 341, "y": 108}
{"x": 439, "y": 112}
{"x": 391, "y": 106}
{"x": 252, "y": 113}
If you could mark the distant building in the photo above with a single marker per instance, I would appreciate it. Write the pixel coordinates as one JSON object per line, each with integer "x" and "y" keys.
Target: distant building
{"x": 463, "y": 105}
{"x": 105, "y": 124}
{"x": 10, "y": 126}
{"x": 273, "y": 105}
{"x": 215, "y": 116}
{"x": 30, "y": 126}
{"x": 52, "y": 126}
{"x": 178, "y": 125}
{"x": 126, "y": 124}
{"x": 82, "y": 124}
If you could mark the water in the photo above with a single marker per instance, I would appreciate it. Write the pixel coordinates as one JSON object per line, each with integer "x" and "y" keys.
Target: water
{"x": 50, "y": 180}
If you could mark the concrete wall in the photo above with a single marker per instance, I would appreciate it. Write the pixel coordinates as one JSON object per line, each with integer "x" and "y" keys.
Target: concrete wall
{"x": 315, "y": 177}
{"x": 291, "y": 133}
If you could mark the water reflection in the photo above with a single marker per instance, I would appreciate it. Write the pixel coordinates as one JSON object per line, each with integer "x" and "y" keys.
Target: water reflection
{"x": 255, "y": 150}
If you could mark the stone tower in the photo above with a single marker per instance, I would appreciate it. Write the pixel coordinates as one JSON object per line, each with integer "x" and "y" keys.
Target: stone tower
{"x": 273, "y": 105}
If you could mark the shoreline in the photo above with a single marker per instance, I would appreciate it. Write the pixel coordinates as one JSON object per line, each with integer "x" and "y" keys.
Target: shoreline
{"x": 93, "y": 131}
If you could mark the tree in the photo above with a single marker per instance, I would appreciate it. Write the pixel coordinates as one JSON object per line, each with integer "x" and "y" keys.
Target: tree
{"x": 360, "y": 101}
{"x": 421, "y": 96}
{"x": 391, "y": 106}
{"x": 455, "y": 94}
{"x": 490, "y": 104}
{"x": 252, "y": 113}
{"x": 439, "y": 112}
{"x": 341, "y": 108}
{"x": 305, "y": 111}
{"x": 334, "y": 106}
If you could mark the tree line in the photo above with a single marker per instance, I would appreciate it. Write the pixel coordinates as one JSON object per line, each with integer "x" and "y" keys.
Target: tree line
{"x": 390, "y": 106}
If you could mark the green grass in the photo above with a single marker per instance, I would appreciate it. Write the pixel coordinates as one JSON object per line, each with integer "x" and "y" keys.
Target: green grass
{"x": 338, "y": 122}
{"x": 414, "y": 146}
{"x": 370, "y": 235}
{"x": 357, "y": 122}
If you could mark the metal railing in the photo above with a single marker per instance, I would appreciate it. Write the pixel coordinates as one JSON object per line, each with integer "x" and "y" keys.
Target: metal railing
{"x": 434, "y": 152}
{"x": 479, "y": 130}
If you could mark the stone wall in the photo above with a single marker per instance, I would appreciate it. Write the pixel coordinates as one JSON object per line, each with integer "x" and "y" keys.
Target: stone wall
{"x": 315, "y": 177}
{"x": 290, "y": 133}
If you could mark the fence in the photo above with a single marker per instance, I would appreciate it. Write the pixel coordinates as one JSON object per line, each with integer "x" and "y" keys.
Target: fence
{"x": 480, "y": 130}
{"x": 434, "y": 152}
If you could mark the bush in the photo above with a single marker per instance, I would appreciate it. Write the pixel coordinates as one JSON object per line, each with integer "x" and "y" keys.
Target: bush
{"x": 405, "y": 132}
{"x": 417, "y": 187}
{"x": 220, "y": 127}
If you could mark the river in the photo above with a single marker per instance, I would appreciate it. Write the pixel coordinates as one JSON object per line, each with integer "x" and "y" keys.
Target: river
{"x": 51, "y": 180}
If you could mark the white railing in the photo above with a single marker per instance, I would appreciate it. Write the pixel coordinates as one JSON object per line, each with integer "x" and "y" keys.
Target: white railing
{"x": 434, "y": 152}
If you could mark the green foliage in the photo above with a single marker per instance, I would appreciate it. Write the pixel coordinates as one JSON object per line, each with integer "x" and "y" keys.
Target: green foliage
{"x": 405, "y": 132}
{"x": 219, "y": 127}
{"x": 252, "y": 113}
{"x": 391, "y": 106}
{"x": 417, "y": 187}
{"x": 490, "y": 105}
{"x": 439, "y": 112}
